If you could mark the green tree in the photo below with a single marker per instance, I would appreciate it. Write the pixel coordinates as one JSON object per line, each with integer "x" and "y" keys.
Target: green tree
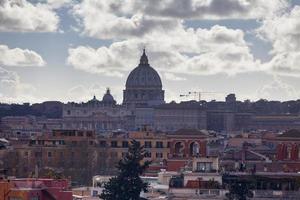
{"x": 239, "y": 190}
{"x": 128, "y": 185}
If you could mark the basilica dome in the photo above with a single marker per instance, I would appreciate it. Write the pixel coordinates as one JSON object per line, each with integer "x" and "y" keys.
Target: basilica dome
{"x": 143, "y": 76}
{"x": 108, "y": 98}
{"x": 143, "y": 86}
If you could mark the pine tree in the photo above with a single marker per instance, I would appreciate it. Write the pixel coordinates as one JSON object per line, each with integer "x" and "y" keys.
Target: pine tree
{"x": 239, "y": 191}
{"x": 128, "y": 185}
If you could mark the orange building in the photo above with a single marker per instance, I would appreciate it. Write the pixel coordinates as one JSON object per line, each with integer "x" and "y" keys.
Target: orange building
{"x": 81, "y": 154}
{"x": 35, "y": 189}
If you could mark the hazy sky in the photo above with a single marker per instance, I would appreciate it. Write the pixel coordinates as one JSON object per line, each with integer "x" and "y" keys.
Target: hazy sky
{"x": 70, "y": 50}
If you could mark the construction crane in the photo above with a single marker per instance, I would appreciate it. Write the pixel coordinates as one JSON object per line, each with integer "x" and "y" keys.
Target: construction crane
{"x": 198, "y": 94}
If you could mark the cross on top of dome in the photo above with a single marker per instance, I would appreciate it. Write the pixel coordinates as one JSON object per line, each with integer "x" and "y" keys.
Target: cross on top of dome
{"x": 144, "y": 59}
{"x": 107, "y": 91}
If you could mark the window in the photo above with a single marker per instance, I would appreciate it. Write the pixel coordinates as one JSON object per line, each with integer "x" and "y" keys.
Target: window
{"x": 204, "y": 166}
{"x": 125, "y": 144}
{"x": 72, "y": 133}
{"x": 26, "y": 153}
{"x": 169, "y": 144}
{"x": 38, "y": 154}
{"x": 159, "y": 144}
{"x": 14, "y": 198}
{"x": 80, "y": 133}
{"x": 95, "y": 193}
{"x": 49, "y": 154}
{"x": 102, "y": 143}
{"x": 91, "y": 142}
{"x": 148, "y": 154}
{"x": 114, "y": 144}
{"x": 148, "y": 144}
{"x": 89, "y": 134}
{"x": 159, "y": 155}
{"x": 74, "y": 143}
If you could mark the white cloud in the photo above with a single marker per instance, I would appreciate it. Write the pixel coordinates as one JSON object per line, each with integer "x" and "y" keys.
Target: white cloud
{"x": 78, "y": 93}
{"x": 283, "y": 31}
{"x": 109, "y": 25}
{"x": 188, "y": 51}
{"x": 173, "y": 47}
{"x": 23, "y": 16}
{"x": 122, "y": 19}
{"x": 12, "y": 90}
{"x": 19, "y": 57}
{"x": 287, "y": 63}
{"x": 173, "y": 77}
{"x": 211, "y": 9}
{"x": 277, "y": 89}
{"x": 94, "y": 60}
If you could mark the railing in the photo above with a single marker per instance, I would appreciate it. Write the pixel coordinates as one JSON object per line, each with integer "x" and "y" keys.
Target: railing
{"x": 196, "y": 193}
{"x": 205, "y": 193}
{"x": 274, "y": 193}
{"x": 206, "y": 171}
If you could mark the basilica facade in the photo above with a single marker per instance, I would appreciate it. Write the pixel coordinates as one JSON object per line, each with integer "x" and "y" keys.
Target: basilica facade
{"x": 143, "y": 106}
{"x": 143, "y": 91}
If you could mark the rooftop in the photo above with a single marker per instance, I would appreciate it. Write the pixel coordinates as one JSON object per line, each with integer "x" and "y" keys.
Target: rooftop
{"x": 291, "y": 133}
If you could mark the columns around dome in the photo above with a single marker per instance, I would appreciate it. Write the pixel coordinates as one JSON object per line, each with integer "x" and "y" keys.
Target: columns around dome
{"x": 142, "y": 97}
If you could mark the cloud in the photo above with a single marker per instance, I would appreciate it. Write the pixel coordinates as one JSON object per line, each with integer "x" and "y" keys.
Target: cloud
{"x": 109, "y": 25}
{"x": 19, "y": 57}
{"x": 56, "y": 4}
{"x": 135, "y": 18}
{"x": 12, "y": 90}
{"x": 187, "y": 51}
{"x": 277, "y": 89}
{"x": 283, "y": 32}
{"x": 287, "y": 63}
{"x": 173, "y": 47}
{"x": 211, "y": 9}
{"x": 173, "y": 77}
{"x": 95, "y": 60}
{"x": 23, "y": 16}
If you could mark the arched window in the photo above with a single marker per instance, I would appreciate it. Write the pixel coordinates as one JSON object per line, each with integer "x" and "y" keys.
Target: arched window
{"x": 179, "y": 149}
{"x": 194, "y": 149}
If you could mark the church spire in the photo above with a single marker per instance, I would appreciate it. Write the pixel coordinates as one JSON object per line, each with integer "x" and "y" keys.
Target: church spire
{"x": 144, "y": 58}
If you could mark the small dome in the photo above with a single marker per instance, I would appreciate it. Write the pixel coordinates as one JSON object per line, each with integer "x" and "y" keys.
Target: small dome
{"x": 108, "y": 98}
{"x": 93, "y": 100}
{"x": 143, "y": 75}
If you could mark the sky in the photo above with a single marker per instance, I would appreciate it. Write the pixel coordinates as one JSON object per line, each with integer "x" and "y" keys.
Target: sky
{"x": 71, "y": 50}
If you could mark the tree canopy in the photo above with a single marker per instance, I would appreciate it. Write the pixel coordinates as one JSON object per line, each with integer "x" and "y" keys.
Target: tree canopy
{"x": 128, "y": 185}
